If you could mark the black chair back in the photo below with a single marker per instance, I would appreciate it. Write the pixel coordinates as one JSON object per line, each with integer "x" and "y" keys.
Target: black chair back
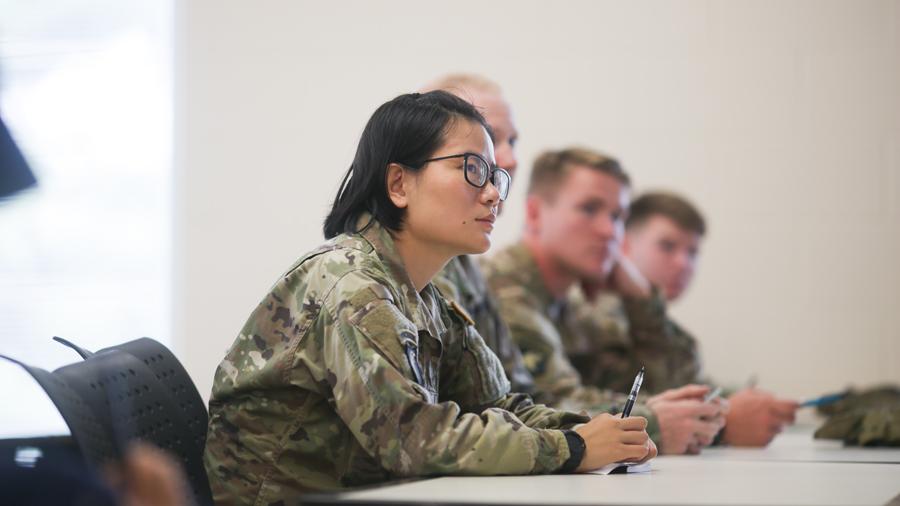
{"x": 174, "y": 377}
{"x": 134, "y": 391}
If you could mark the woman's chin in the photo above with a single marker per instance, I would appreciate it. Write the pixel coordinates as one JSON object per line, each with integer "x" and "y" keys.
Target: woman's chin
{"x": 478, "y": 246}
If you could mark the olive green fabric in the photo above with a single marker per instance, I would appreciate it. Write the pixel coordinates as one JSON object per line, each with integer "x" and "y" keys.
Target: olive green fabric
{"x": 866, "y": 418}
{"x": 345, "y": 375}
{"x": 461, "y": 280}
{"x": 540, "y": 325}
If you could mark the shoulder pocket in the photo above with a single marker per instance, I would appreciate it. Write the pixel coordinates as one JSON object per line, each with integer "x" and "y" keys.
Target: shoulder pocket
{"x": 386, "y": 328}
{"x": 396, "y": 338}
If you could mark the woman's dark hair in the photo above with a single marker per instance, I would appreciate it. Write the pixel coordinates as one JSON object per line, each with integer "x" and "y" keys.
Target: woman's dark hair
{"x": 406, "y": 130}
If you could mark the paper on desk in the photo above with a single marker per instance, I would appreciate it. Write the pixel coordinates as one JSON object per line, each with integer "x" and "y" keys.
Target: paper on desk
{"x": 623, "y": 467}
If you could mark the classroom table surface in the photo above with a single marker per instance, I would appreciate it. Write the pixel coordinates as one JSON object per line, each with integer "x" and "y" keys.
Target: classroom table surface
{"x": 798, "y": 445}
{"x": 794, "y": 470}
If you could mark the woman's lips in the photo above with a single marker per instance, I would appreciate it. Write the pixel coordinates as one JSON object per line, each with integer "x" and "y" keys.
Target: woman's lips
{"x": 487, "y": 221}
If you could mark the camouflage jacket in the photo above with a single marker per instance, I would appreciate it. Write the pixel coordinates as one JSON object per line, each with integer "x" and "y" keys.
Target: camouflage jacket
{"x": 461, "y": 280}
{"x": 540, "y": 325}
{"x": 344, "y": 375}
{"x": 612, "y": 336}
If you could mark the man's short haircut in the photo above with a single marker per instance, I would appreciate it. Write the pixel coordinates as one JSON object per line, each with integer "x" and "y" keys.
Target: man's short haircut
{"x": 552, "y": 167}
{"x": 670, "y": 205}
{"x": 463, "y": 85}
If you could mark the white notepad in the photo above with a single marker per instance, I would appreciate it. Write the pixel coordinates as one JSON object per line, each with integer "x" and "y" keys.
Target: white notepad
{"x": 623, "y": 467}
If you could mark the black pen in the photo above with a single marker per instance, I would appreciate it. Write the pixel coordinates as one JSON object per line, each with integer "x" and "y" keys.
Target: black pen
{"x": 635, "y": 388}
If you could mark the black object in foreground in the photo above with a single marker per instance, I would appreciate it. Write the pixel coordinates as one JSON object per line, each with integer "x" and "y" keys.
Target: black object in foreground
{"x": 134, "y": 391}
{"x": 15, "y": 175}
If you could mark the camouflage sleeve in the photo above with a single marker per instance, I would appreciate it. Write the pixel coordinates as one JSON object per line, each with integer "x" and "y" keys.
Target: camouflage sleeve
{"x": 395, "y": 419}
{"x": 617, "y": 336}
{"x": 668, "y": 353}
{"x": 542, "y": 351}
{"x": 558, "y": 383}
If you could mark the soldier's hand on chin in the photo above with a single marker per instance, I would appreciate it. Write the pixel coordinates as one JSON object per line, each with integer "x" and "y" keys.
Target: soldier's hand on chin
{"x": 624, "y": 278}
{"x": 609, "y": 439}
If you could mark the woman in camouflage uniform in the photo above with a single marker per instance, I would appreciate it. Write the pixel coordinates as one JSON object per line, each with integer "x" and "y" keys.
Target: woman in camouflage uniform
{"x": 354, "y": 369}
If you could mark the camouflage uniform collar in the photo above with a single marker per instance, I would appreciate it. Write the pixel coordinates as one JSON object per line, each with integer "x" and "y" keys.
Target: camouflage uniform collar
{"x": 464, "y": 268}
{"x": 421, "y": 308}
{"x": 523, "y": 266}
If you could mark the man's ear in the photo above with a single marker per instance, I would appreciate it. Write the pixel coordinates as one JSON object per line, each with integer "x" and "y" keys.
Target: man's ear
{"x": 534, "y": 207}
{"x": 397, "y": 183}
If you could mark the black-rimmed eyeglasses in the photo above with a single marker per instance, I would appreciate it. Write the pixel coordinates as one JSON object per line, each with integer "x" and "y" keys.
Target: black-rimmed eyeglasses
{"x": 478, "y": 171}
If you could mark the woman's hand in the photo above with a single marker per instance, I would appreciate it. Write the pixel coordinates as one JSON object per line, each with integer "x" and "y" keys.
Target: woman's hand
{"x": 611, "y": 439}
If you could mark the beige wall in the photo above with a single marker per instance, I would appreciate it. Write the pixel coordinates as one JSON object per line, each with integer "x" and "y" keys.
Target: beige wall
{"x": 781, "y": 119}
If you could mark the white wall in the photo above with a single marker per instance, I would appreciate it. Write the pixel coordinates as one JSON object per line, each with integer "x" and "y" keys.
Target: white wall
{"x": 781, "y": 119}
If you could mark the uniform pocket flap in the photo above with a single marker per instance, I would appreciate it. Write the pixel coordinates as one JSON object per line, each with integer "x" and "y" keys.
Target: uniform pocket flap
{"x": 389, "y": 331}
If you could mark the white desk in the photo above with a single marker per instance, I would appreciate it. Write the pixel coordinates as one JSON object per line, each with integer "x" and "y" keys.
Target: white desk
{"x": 674, "y": 480}
{"x": 794, "y": 470}
{"x": 797, "y": 445}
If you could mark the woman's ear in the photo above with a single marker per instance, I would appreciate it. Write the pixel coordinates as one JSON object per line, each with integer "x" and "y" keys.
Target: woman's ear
{"x": 397, "y": 183}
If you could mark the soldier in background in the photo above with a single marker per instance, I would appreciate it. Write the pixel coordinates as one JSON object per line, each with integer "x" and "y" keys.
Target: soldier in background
{"x": 354, "y": 370}
{"x": 461, "y": 280}
{"x": 611, "y": 346}
{"x": 575, "y": 214}
{"x": 663, "y": 236}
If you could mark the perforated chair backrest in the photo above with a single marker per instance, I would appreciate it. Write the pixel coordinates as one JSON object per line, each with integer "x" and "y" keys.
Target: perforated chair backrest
{"x": 171, "y": 373}
{"x": 138, "y": 406}
{"x": 113, "y": 397}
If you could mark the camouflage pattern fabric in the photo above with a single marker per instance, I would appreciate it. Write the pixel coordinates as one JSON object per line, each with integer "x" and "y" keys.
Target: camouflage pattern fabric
{"x": 461, "y": 280}
{"x": 344, "y": 375}
{"x": 867, "y": 418}
{"x": 612, "y": 336}
{"x": 539, "y": 326}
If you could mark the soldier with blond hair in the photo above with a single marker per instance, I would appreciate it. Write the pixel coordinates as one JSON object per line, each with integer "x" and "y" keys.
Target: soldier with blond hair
{"x": 461, "y": 279}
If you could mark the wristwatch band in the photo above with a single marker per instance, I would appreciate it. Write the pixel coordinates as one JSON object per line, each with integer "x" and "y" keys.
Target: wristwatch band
{"x": 576, "y": 451}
